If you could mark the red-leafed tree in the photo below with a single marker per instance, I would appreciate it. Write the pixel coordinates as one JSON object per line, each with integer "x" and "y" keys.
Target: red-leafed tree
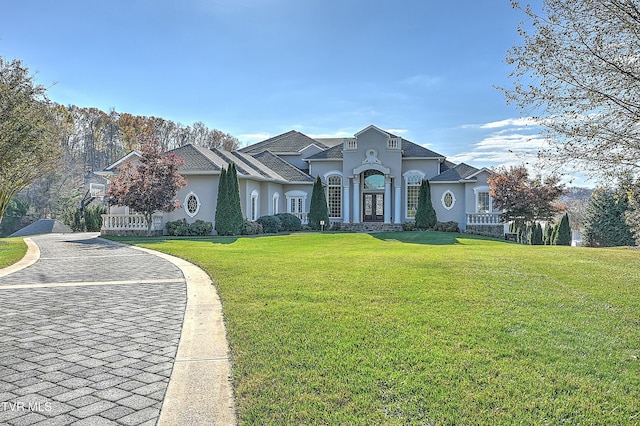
{"x": 522, "y": 198}
{"x": 150, "y": 184}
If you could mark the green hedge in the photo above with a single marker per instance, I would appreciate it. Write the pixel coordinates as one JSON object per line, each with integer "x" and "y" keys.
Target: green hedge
{"x": 182, "y": 228}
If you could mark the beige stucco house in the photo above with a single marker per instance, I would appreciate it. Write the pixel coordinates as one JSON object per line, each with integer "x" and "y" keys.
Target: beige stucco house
{"x": 372, "y": 181}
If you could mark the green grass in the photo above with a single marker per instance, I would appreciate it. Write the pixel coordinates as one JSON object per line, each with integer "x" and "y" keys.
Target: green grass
{"x": 11, "y": 251}
{"x": 425, "y": 328}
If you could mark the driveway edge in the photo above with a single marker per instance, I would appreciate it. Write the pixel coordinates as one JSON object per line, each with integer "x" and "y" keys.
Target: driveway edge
{"x": 31, "y": 256}
{"x": 200, "y": 390}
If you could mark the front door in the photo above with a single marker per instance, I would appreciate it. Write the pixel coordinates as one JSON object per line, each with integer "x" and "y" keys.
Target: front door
{"x": 373, "y": 206}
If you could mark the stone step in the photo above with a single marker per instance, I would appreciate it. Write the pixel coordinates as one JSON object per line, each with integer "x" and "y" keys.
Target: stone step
{"x": 371, "y": 227}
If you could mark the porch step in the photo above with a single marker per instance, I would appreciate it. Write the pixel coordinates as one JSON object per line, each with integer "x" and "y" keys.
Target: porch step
{"x": 371, "y": 227}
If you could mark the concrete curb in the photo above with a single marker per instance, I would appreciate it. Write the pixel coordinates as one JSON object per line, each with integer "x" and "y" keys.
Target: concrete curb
{"x": 199, "y": 391}
{"x": 31, "y": 257}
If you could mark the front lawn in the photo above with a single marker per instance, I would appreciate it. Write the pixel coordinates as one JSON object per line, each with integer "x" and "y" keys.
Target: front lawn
{"x": 425, "y": 328}
{"x": 11, "y": 251}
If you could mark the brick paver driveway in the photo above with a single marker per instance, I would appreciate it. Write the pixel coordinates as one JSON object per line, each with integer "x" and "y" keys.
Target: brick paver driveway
{"x": 88, "y": 334}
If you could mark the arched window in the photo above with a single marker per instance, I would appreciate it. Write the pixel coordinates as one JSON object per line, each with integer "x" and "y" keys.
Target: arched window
{"x": 191, "y": 204}
{"x": 412, "y": 185}
{"x": 448, "y": 200}
{"x": 334, "y": 195}
{"x": 254, "y": 206}
{"x": 373, "y": 180}
{"x": 275, "y": 201}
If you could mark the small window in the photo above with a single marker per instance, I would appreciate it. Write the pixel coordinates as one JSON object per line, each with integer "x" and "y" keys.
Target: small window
{"x": 484, "y": 202}
{"x": 254, "y": 206}
{"x": 276, "y": 201}
{"x": 191, "y": 204}
{"x": 448, "y": 200}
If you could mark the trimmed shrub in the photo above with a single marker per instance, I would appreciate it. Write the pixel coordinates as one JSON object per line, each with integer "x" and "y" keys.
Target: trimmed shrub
{"x": 180, "y": 228}
{"x": 318, "y": 210}
{"x": 251, "y": 228}
{"x": 200, "y": 228}
{"x": 450, "y": 226}
{"x": 409, "y": 226}
{"x": 290, "y": 223}
{"x": 270, "y": 224}
{"x": 177, "y": 227}
{"x": 425, "y": 214}
{"x": 563, "y": 232}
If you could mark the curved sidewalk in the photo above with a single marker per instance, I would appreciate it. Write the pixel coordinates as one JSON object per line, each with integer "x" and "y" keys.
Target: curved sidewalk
{"x": 94, "y": 332}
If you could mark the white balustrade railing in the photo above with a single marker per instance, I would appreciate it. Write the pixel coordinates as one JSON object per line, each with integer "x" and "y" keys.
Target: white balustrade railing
{"x": 484, "y": 219}
{"x": 301, "y": 216}
{"x": 123, "y": 222}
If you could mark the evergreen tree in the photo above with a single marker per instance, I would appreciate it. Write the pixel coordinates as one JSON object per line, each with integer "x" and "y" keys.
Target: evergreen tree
{"x": 425, "y": 213}
{"x": 605, "y": 224}
{"x": 548, "y": 234}
{"x": 563, "y": 233}
{"x": 222, "y": 203}
{"x": 535, "y": 235}
{"x": 318, "y": 210}
{"x": 235, "y": 211}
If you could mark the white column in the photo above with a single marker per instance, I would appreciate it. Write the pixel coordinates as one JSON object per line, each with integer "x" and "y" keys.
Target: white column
{"x": 347, "y": 201}
{"x": 387, "y": 199}
{"x": 398, "y": 201}
{"x": 356, "y": 199}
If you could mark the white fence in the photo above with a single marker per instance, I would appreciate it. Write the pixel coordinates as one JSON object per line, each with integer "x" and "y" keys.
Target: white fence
{"x": 130, "y": 222}
{"x": 483, "y": 219}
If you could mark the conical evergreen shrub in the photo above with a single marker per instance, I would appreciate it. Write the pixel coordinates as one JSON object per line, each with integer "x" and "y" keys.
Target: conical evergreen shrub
{"x": 425, "y": 213}
{"x": 318, "y": 210}
{"x": 563, "y": 233}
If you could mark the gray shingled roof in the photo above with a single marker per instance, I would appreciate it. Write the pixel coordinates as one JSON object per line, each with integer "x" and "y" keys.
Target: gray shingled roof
{"x": 409, "y": 149}
{"x": 292, "y": 141}
{"x": 460, "y": 172}
{"x": 282, "y": 167}
{"x": 197, "y": 159}
{"x": 335, "y": 152}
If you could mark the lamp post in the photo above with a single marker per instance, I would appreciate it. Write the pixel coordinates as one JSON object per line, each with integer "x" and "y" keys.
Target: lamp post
{"x": 322, "y": 225}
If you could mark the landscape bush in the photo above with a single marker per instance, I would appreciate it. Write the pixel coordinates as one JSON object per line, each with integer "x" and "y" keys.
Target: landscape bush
{"x": 182, "y": 228}
{"x": 270, "y": 224}
{"x": 450, "y": 226}
{"x": 290, "y": 223}
{"x": 251, "y": 228}
{"x": 409, "y": 226}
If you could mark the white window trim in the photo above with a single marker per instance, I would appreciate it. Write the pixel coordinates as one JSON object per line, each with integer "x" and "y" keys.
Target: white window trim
{"x": 453, "y": 200}
{"x": 296, "y": 194}
{"x": 326, "y": 179}
{"x": 254, "y": 213}
{"x": 406, "y": 176}
{"x": 275, "y": 201}
{"x": 479, "y": 189}
{"x": 186, "y": 204}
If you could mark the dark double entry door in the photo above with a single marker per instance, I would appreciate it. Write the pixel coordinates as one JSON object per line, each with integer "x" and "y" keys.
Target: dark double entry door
{"x": 373, "y": 207}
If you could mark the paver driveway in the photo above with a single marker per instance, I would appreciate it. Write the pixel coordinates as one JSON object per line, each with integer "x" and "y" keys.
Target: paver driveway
{"x": 88, "y": 334}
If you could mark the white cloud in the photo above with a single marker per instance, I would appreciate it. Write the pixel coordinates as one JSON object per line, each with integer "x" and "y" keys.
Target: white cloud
{"x": 250, "y": 138}
{"x": 397, "y": 131}
{"x": 340, "y": 134}
{"x": 510, "y": 122}
{"x": 423, "y": 80}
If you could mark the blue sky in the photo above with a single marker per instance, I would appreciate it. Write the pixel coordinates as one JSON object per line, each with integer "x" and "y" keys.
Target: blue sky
{"x": 425, "y": 70}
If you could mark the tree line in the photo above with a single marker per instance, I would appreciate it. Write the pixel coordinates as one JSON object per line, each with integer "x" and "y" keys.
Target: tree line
{"x": 47, "y": 149}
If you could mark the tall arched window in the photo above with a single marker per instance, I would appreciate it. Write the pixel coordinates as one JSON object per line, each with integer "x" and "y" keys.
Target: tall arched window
{"x": 275, "y": 201}
{"x": 254, "y": 206}
{"x": 334, "y": 196}
{"x": 412, "y": 182}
